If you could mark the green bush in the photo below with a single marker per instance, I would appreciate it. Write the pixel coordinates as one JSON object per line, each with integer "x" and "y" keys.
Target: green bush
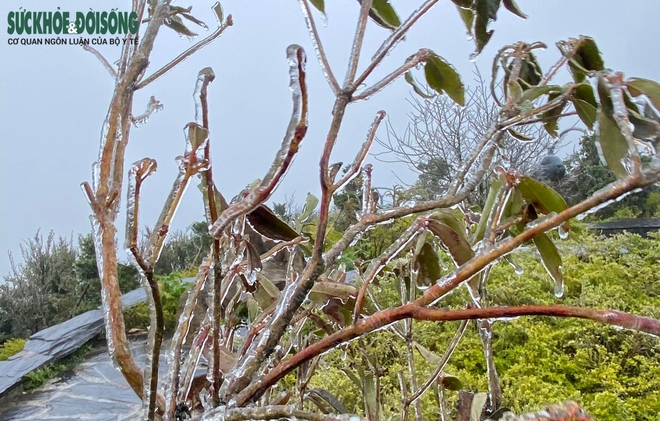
{"x": 11, "y": 347}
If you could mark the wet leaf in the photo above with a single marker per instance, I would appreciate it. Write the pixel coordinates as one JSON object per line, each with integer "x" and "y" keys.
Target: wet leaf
{"x": 442, "y": 77}
{"x": 587, "y": 58}
{"x": 175, "y": 23}
{"x": 197, "y": 136}
{"x": 530, "y": 72}
{"x": 551, "y": 260}
{"x": 604, "y": 93}
{"x": 650, "y": 88}
{"x": 384, "y": 14}
{"x": 645, "y": 128}
{"x": 319, "y": 4}
{"x": 194, "y": 20}
{"x": 253, "y": 258}
{"x": 217, "y": 9}
{"x": 543, "y": 197}
{"x": 427, "y": 263}
{"x": 266, "y": 223}
{"x": 451, "y": 382}
{"x": 512, "y": 7}
{"x": 266, "y": 293}
{"x": 613, "y": 144}
{"x": 449, "y": 229}
{"x": 418, "y": 89}
{"x": 481, "y": 33}
{"x": 551, "y": 117}
{"x": 478, "y": 404}
{"x": 585, "y": 104}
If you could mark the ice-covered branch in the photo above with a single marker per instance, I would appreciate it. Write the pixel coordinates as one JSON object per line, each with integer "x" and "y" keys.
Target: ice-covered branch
{"x": 318, "y": 47}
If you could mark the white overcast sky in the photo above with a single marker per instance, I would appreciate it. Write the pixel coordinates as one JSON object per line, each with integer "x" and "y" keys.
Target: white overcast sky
{"x": 53, "y": 99}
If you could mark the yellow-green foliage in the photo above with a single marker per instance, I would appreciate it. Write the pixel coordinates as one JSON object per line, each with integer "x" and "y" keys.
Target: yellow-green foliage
{"x": 11, "y": 347}
{"x": 614, "y": 374}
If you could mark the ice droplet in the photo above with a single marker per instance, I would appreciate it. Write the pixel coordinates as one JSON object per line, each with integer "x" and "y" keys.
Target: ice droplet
{"x": 563, "y": 234}
{"x": 559, "y": 287}
{"x": 474, "y": 57}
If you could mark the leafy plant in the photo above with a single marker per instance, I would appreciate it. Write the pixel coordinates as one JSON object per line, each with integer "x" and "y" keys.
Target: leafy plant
{"x": 11, "y": 347}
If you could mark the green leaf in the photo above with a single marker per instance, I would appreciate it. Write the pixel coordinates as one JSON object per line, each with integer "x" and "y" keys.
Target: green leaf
{"x": 449, "y": 229}
{"x": 467, "y": 15}
{"x": 481, "y": 32}
{"x": 495, "y": 187}
{"x": 465, "y": 4}
{"x": 532, "y": 93}
{"x": 551, "y": 261}
{"x": 370, "y": 391}
{"x": 515, "y": 91}
{"x": 451, "y": 382}
{"x": 543, "y": 197}
{"x": 175, "y": 23}
{"x": 429, "y": 356}
{"x": 197, "y": 136}
{"x": 585, "y": 104}
{"x": 266, "y": 223}
{"x": 418, "y": 90}
{"x": 319, "y": 4}
{"x": 266, "y": 293}
{"x": 384, "y": 14}
{"x": 551, "y": 117}
{"x": 530, "y": 71}
{"x": 217, "y": 9}
{"x": 604, "y": 93}
{"x": 613, "y": 144}
{"x": 512, "y": 7}
{"x": 478, "y": 403}
{"x": 442, "y": 77}
{"x": 310, "y": 204}
{"x": 650, "y": 88}
{"x": 586, "y": 58}
{"x": 426, "y": 262}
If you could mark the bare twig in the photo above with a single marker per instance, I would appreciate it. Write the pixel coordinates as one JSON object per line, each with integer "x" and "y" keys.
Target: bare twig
{"x": 102, "y": 59}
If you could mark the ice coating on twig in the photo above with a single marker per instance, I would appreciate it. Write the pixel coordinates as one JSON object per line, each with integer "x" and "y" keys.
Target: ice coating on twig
{"x": 139, "y": 172}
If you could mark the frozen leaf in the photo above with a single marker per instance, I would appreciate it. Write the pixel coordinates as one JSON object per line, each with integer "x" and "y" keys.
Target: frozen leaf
{"x": 650, "y": 88}
{"x": 551, "y": 117}
{"x": 266, "y": 293}
{"x": 384, "y": 14}
{"x": 467, "y": 15}
{"x": 532, "y": 93}
{"x": 428, "y": 355}
{"x": 328, "y": 398}
{"x": 481, "y": 33}
{"x": 586, "y": 58}
{"x": 253, "y": 258}
{"x": 266, "y": 223}
{"x": 478, "y": 404}
{"x": 451, "y": 382}
{"x": 515, "y": 91}
{"x": 217, "y": 9}
{"x": 512, "y": 7}
{"x": 418, "y": 89}
{"x": 465, "y": 4}
{"x": 585, "y": 104}
{"x": 495, "y": 187}
{"x": 543, "y": 197}
{"x": 449, "y": 229}
{"x": 310, "y": 204}
{"x": 551, "y": 261}
{"x": 530, "y": 72}
{"x": 175, "y": 23}
{"x": 442, "y": 77}
{"x": 613, "y": 144}
{"x": 645, "y": 128}
{"x": 331, "y": 289}
{"x": 370, "y": 391}
{"x": 194, "y": 20}
{"x": 427, "y": 264}
{"x": 319, "y": 4}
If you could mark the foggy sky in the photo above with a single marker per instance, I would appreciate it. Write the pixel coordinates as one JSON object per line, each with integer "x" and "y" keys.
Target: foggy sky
{"x": 53, "y": 99}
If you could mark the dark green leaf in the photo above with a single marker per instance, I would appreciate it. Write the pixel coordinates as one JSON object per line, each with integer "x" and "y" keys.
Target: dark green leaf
{"x": 604, "y": 93}
{"x": 331, "y": 399}
{"x": 613, "y": 144}
{"x": 442, "y": 77}
{"x": 650, "y": 88}
{"x": 384, "y": 14}
{"x": 449, "y": 229}
{"x": 467, "y": 15}
{"x": 266, "y": 223}
{"x": 586, "y": 112}
{"x": 512, "y": 7}
{"x": 427, "y": 263}
{"x": 499, "y": 413}
{"x": 418, "y": 90}
{"x": 530, "y": 72}
{"x": 319, "y": 4}
{"x": 493, "y": 7}
{"x": 217, "y": 9}
{"x": 587, "y": 58}
{"x": 551, "y": 117}
{"x": 551, "y": 260}
{"x": 465, "y": 4}
{"x": 481, "y": 32}
{"x": 451, "y": 382}
{"x": 534, "y": 92}
{"x": 543, "y": 197}
{"x": 495, "y": 187}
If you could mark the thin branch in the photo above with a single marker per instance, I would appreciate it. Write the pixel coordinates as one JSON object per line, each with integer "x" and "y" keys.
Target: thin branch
{"x": 102, "y": 59}
{"x": 190, "y": 51}
{"x": 420, "y": 57}
{"x": 270, "y": 413}
{"x": 393, "y": 39}
{"x": 318, "y": 47}
{"x": 356, "y": 49}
